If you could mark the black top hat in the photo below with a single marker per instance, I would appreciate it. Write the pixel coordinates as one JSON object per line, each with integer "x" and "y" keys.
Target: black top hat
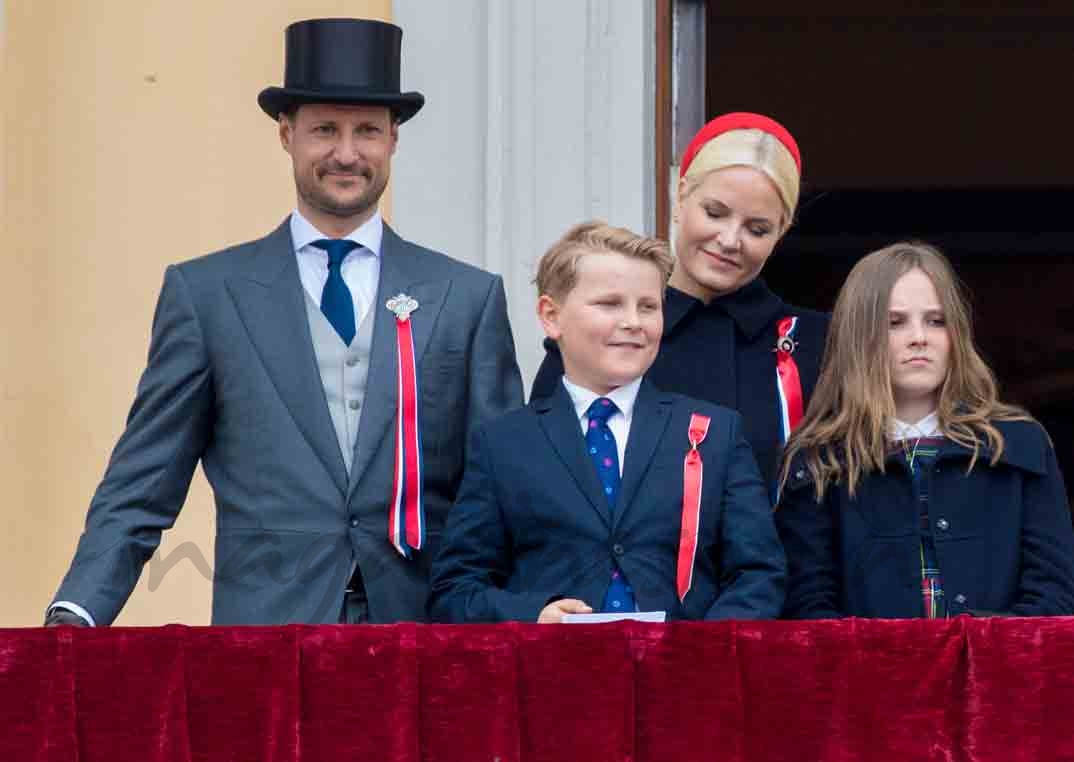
{"x": 341, "y": 61}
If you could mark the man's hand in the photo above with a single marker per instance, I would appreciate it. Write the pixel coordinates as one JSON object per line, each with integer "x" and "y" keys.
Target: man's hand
{"x": 59, "y": 617}
{"x": 554, "y": 611}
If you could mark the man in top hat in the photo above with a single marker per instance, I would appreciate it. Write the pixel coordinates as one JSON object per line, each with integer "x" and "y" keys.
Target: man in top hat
{"x": 326, "y": 376}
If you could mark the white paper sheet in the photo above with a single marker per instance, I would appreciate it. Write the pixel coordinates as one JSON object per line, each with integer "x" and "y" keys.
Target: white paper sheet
{"x": 640, "y": 616}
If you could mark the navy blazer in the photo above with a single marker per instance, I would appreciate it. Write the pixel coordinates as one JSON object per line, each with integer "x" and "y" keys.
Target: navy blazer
{"x": 722, "y": 352}
{"x": 531, "y": 523}
{"x": 1003, "y": 536}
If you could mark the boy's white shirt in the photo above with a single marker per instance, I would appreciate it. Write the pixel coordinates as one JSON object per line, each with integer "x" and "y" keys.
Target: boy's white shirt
{"x": 624, "y": 398}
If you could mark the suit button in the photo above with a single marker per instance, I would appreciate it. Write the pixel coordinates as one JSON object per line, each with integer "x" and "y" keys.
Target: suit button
{"x": 618, "y": 549}
{"x": 352, "y": 361}
{"x": 942, "y": 525}
{"x": 354, "y": 404}
{"x": 960, "y": 599}
{"x": 354, "y": 521}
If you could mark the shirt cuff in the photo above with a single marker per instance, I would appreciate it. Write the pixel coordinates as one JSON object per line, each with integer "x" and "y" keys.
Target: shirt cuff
{"x": 74, "y": 608}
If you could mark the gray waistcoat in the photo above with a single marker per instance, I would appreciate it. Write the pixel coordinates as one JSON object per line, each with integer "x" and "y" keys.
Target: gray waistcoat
{"x": 343, "y": 373}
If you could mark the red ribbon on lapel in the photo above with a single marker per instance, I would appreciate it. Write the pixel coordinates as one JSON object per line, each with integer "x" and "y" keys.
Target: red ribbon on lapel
{"x": 693, "y": 472}
{"x": 406, "y": 517}
{"x": 788, "y": 382}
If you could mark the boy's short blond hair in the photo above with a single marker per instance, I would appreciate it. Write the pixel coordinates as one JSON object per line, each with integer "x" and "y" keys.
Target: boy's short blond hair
{"x": 557, "y": 272}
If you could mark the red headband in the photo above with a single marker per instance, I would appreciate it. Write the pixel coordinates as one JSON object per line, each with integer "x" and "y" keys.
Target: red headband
{"x": 739, "y": 120}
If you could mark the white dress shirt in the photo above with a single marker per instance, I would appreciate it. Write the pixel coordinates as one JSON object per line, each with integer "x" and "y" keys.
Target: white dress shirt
{"x": 927, "y": 427}
{"x": 360, "y": 268}
{"x": 624, "y": 398}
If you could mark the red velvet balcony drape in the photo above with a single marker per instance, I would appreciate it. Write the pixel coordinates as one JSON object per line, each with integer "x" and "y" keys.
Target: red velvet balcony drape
{"x": 965, "y": 689}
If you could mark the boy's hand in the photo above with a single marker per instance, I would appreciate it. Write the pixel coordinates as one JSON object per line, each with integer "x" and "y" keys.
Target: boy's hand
{"x": 554, "y": 611}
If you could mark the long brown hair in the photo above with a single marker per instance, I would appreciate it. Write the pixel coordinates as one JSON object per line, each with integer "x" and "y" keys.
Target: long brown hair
{"x": 844, "y": 434}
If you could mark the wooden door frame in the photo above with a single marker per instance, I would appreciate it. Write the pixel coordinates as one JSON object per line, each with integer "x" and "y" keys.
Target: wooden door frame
{"x": 680, "y": 108}
{"x": 663, "y": 112}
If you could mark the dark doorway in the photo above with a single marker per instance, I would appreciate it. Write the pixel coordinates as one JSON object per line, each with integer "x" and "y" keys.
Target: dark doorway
{"x": 949, "y": 125}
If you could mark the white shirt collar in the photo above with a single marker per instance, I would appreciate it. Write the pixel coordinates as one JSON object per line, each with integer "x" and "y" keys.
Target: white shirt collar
{"x": 624, "y": 397}
{"x": 929, "y": 426}
{"x": 368, "y": 235}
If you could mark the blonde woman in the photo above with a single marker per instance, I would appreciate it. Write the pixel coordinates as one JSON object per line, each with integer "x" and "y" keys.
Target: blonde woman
{"x": 727, "y": 337}
{"x": 910, "y": 490}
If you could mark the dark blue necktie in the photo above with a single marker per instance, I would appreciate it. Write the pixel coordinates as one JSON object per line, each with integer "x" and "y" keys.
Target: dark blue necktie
{"x": 336, "y": 302}
{"x": 602, "y": 450}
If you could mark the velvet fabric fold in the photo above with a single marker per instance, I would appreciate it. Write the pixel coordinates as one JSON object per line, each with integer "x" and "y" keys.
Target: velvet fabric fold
{"x": 959, "y": 689}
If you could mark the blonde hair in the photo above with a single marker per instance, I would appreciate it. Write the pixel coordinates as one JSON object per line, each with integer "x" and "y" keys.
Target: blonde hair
{"x": 557, "y": 272}
{"x": 749, "y": 147}
{"x": 844, "y": 434}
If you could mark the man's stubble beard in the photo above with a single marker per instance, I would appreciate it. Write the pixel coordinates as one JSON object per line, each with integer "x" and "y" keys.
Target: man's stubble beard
{"x": 323, "y": 201}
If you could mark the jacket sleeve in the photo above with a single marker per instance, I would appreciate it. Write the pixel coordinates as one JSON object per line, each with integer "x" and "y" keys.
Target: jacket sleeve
{"x": 1046, "y": 585}
{"x": 753, "y": 567}
{"x": 149, "y": 473}
{"x": 808, "y": 531}
{"x": 495, "y": 380}
{"x": 475, "y": 557}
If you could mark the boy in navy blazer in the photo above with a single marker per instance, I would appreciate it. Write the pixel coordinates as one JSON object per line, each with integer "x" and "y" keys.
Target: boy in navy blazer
{"x": 575, "y": 503}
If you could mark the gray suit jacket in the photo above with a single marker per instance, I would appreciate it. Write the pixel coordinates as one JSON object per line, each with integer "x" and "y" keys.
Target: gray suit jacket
{"x": 231, "y": 380}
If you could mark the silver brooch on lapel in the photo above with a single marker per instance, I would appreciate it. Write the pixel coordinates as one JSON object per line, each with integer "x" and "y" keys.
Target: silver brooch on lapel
{"x": 785, "y": 344}
{"x": 402, "y": 305}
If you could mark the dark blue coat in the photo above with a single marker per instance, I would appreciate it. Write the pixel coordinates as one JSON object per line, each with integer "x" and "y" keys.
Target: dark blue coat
{"x": 531, "y": 523}
{"x": 1003, "y": 536}
{"x": 722, "y": 352}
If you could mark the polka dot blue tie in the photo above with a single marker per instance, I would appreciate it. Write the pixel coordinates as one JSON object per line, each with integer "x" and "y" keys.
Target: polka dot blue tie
{"x": 600, "y": 443}
{"x": 336, "y": 301}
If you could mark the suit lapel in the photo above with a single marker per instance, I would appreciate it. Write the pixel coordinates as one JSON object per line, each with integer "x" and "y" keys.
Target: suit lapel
{"x": 560, "y": 423}
{"x": 400, "y": 272}
{"x": 652, "y": 410}
{"x": 271, "y": 305}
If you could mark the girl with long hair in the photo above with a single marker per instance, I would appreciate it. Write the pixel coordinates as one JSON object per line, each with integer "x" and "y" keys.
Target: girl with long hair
{"x": 910, "y": 489}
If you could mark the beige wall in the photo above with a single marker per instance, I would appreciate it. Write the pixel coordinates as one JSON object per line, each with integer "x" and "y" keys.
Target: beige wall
{"x": 129, "y": 138}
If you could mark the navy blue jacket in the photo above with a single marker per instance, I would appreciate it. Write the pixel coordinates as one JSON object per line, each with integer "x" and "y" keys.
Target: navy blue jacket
{"x": 531, "y": 523}
{"x": 722, "y": 352}
{"x": 1003, "y": 536}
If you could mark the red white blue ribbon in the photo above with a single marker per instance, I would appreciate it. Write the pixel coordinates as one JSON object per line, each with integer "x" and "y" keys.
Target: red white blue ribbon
{"x": 406, "y": 515}
{"x": 788, "y": 382}
{"x": 693, "y": 477}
